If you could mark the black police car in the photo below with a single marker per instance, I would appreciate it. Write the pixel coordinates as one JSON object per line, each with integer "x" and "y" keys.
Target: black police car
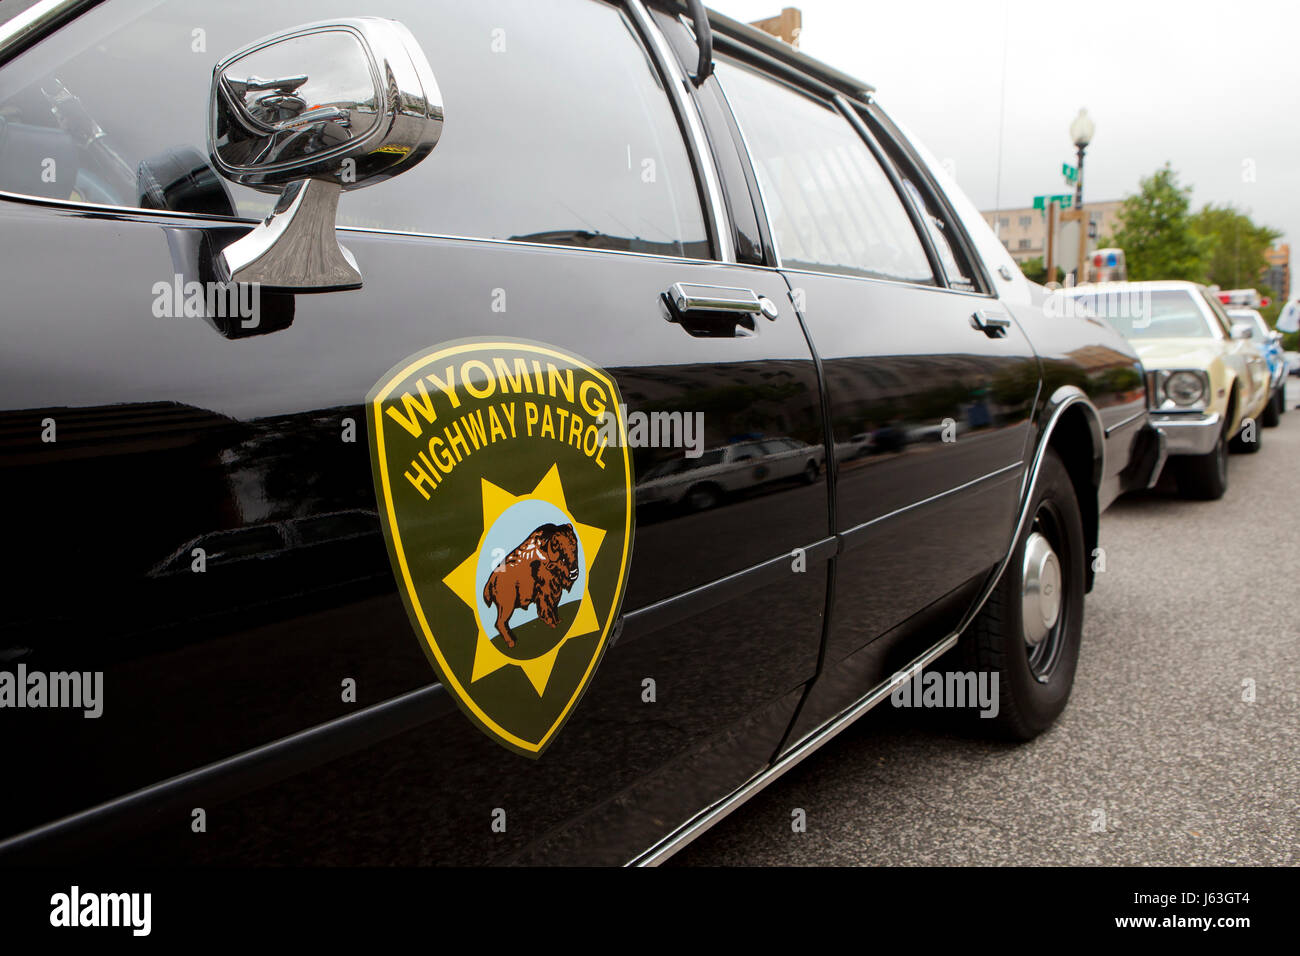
{"x": 449, "y": 432}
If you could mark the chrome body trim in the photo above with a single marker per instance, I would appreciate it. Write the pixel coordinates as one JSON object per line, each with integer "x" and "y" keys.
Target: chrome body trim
{"x": 1162, "y": 456}
{"x": 33, "y": 20}
{"x": 853, "y": 532}
{"x": 678, "y": 86}
{"x": 164, "y": 215}
{"x": 1062, "y": 399}
{"x": 1125, "y": 423}
{"x": 749, "y": 159}
{"x": 810, "y": 744}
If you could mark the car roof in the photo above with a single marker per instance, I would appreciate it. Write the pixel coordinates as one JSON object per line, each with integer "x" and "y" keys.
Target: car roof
{"x": 780, "y": 50}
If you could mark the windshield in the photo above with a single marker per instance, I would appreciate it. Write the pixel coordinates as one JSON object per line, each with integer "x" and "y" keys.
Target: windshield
{"x": 1138, "y": 313}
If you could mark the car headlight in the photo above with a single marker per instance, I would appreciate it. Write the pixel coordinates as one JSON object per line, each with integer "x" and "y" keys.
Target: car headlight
{"x": 1185, "y": 388}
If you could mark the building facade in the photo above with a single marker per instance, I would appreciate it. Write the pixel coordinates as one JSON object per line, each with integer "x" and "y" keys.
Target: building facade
{"x": 1024, "y": 230}
{"x": 1278, "y": 274}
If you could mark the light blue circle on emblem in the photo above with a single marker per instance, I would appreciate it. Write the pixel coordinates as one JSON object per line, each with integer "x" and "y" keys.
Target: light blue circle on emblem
{"x": 511, "y": 529}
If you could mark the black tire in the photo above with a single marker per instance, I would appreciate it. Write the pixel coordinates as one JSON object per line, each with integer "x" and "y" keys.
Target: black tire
{"x": 1272, "y": 416}
{"x": 1203, "y": 477}
{"x": 1031, "y": 697}
{"x": 1242, "y": 447}
{"x": 811, "y": 473}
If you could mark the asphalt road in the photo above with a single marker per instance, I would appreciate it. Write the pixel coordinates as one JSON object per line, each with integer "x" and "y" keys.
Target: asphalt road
{"x": 1197, "y": 599}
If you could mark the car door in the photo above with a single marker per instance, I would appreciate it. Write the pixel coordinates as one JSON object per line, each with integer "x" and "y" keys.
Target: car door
{"x": 555, "y": 209}
{"x": 915, "y": 355}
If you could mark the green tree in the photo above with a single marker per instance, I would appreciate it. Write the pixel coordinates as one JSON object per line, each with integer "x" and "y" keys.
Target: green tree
{"x": 1155, "y": 231}
{"x": 1035, "y": 270}
{"x": 1235, "y": 246}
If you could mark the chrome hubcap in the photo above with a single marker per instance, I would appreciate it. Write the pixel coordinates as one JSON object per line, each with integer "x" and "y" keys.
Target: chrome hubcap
{"x": 1041, "y": 598}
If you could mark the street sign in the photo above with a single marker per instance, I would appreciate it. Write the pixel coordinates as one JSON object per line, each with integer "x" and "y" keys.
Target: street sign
{"x": 1070, "y": 173}
{"x": 1067, "y": 246}
{"x": 1064, "y": 201}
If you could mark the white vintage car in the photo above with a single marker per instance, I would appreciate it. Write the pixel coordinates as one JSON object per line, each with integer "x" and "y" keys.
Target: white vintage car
{"x": 1208, "y": 383}
{"x": 704, "y": 482}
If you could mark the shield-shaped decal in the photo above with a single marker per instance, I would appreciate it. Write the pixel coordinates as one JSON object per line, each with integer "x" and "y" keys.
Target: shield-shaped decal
{"x": 503, "y": 478}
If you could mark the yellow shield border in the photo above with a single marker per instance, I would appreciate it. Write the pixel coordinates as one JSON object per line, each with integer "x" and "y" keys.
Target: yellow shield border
{"x": 375, "y": 402}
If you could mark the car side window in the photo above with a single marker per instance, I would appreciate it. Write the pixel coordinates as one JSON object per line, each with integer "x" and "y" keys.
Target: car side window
{"x": 831, "y": 205}
{"x": 1220, "y": 316}
{"x": 558, "y": 128}
{"x": 958, "y": 275}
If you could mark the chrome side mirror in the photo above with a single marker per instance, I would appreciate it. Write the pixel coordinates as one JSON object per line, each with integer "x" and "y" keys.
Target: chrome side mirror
{"x": 1243, "y": 331}
{"x": 308, "y": 113}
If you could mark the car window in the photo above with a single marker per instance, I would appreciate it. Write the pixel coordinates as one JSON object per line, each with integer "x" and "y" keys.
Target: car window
{"x": 1169, "y": 313}
{"x": 831, "y": 206}
{"x": 557, "y": 127}
{"x": 959, "y": 277}
{"x": 1258, "y": 327}
{"x": 1220, "y": 316}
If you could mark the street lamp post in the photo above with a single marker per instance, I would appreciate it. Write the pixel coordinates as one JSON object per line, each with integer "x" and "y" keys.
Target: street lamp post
{"x": 1081, "y": 131}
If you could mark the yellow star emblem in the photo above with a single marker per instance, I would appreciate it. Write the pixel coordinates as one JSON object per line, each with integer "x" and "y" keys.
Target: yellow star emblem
{"x": 488, "y": 657}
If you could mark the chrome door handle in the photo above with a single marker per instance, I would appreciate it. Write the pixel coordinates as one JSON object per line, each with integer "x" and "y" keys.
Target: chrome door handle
{"x": 691, "y": 297}
{"x": 992, "y": 324}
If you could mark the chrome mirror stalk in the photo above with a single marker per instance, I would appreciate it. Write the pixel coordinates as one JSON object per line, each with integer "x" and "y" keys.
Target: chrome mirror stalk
{"x": 307, "y": 114}
{"x": 296, "y": 246}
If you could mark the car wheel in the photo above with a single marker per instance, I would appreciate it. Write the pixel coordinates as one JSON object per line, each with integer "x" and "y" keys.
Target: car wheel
{"x": 810, "y": 473}
{"x": 1204, "y": 477}
{"x": 1028, "y": 632}
{"x": 1242, "y": 447}
{"x": 1272, "y": 416}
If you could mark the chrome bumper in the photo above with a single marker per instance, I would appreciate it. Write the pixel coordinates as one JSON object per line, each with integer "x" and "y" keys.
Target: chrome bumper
{"x": 1188, "y": 434}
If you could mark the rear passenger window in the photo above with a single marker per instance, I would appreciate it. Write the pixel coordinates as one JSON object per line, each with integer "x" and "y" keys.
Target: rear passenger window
{"x": 558, "y": 128}
{"x": 831, "y": 206}
{"x": 958, "y": 276}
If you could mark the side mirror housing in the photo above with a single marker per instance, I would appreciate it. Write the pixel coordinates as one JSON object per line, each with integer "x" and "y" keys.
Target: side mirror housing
{"x": 308, "y": 113}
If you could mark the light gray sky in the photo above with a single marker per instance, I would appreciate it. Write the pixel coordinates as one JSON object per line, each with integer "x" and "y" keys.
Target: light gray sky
{"x": 1213, "y": 87}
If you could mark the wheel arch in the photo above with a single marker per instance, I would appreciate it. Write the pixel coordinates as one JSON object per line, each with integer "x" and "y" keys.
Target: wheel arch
{"x": 1074, "y": 431}
{"x": 1069, "y": 421}
{"x": 1234, "y": 413}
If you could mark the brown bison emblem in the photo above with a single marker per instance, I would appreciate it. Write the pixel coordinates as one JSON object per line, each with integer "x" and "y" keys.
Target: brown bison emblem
{"x": 539, "y": 571}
